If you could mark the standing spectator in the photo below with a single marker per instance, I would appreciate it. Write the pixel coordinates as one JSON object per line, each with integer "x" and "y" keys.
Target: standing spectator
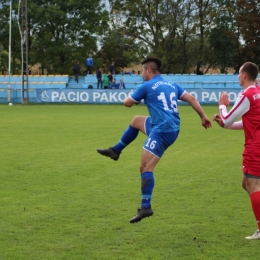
{"x": 110, "y": 78}
{"x": 121, "y": 84}
{"x": 99, "y": 78}
{"x": 112, "y": 68}
{"x": 76, "y": 71}
{"x": 247, "y": 107}
{"x": 105, "y": 81}
{"x": 199, "y": 72}
{"x": 113, "y": 84}
{"x": 89, "y": 63}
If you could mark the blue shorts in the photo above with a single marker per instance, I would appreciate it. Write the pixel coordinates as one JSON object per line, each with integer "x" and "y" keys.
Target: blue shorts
{"x": 157, "y": 143}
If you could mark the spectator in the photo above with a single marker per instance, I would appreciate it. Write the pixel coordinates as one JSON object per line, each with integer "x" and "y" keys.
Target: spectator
{"x": 105, "y": 81}
{"x": 121, "y": 84}
{"x": 99, "y": 78}
{"x": 199, "y": 72}
{"x": 110, "y": 77}
{"x": 113, "y": 84}
{"x": 112, "y": 68}
{"x": 89, "y": 63}
{"x": 76, "y": 70}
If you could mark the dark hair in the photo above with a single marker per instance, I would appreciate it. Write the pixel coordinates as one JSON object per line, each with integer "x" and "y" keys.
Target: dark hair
{"x": 153, "y": 63}
{"x": 251, "y": 69}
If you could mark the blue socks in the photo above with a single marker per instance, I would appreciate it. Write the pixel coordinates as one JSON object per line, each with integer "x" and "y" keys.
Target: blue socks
{"x": 147, "y": 178}
{"x": 147, "y": 189}
{"x": 128, "y": 136}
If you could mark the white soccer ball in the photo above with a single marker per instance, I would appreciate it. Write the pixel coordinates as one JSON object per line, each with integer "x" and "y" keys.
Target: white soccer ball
{"x": 10, "y": 104}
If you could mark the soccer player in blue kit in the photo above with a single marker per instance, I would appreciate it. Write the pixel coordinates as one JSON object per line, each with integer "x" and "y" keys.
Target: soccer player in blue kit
{"x": 161, "y": 127}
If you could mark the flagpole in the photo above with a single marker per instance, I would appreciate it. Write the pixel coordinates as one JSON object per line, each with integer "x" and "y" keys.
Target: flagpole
{"x": 9, "y": 63}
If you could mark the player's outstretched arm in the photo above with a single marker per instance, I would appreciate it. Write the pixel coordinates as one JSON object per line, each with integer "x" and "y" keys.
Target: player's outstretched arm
{"x": 129, "y": 102}
{"x": 197, "y": 107}
{"x": 217, "y": 118}
{"x": 235, "y": 126}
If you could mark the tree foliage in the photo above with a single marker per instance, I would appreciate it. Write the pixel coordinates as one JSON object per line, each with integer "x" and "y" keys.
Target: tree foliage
{"x": 65, "y": 30}
{"x": 117, "y": 48}
{"x": 224, "y": 36}
{"x": 147, "y": 22}
{"x": 61, "y": 32}
{"x": 4, "y": 36}
{"x": 176, "y": 31}
{"x": 248, "y": 19}
{"x": 186, "y": 34}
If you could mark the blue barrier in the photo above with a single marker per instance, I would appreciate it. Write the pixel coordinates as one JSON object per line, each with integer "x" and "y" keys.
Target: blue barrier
{"x": 105, "y": 96}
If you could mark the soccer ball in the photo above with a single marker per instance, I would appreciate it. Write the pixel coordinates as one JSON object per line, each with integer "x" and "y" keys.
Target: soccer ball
{"x": 10, "y": 104}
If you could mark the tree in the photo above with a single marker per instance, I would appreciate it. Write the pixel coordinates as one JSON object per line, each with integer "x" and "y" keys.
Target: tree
{"x": 118, "y": 48}
{"x": 15, "y": 37}
{"x": 248, "y": 19}
{"x": 223, "y": 38}
{"x": 153, "y": 24}
{"x": 60, "y": 32}
{"x": 202, "y": 22}
{"x": 65, "y": 31}
{"x": 175, "y": 31}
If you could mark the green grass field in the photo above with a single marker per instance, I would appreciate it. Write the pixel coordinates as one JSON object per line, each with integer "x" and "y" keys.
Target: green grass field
{"x": 60, "y": 199}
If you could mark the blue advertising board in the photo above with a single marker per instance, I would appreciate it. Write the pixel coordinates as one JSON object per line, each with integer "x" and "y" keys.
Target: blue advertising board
{"x": 117, "y": 96}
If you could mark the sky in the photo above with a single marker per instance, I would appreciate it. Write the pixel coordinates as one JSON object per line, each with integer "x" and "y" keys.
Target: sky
{"x": 107, "y": 5}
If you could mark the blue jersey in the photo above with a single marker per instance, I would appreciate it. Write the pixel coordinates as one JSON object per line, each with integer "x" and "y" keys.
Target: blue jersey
{"x": 160, "y": 97}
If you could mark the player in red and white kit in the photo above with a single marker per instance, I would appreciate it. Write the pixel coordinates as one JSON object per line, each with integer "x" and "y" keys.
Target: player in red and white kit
{"x": 246, "y": 106}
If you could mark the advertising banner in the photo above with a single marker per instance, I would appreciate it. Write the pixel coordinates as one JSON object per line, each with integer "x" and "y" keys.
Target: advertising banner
{"x": 117, "y": 96}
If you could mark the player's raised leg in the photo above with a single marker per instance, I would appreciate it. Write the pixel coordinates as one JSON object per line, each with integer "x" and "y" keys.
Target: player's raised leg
{"x": 138, "y": 123}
